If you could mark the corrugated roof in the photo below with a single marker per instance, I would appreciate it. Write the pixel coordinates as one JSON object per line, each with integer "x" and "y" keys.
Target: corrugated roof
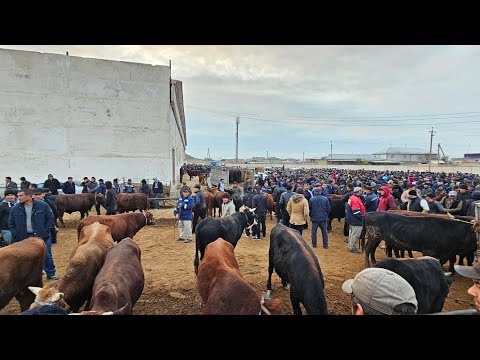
{"x": 352, "y": 157}
{"x": 402, "y": 150}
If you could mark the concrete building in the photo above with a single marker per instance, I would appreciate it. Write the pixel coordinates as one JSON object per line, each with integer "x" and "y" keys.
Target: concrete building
{"x": 403, "y": 155}
{"x": 73, "y": 116}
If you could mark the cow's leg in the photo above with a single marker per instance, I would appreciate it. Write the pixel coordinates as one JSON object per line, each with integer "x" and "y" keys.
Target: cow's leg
{"x": 60, "y": 217}
{"x": 346, "y": 228}
{"x": 470, "y": 259}
{"x": 295, "y": 304}
{"x": 388, "y": 250}
{"x": 451, "y": 262}
{"x": 270, "y": 271}
{"x": 460, "y": 260}
{"x": 7, "y": 296}
{"x": 410, "y": 255}
{"x": 25, "y": 298}
{"x": 329, "y": 225}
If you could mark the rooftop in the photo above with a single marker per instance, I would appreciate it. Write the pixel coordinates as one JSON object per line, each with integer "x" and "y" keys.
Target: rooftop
{"x": 402, "y": 150}
{"x": 350, "y": 157}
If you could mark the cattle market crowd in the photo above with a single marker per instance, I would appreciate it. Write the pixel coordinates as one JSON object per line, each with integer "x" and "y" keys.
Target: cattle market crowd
{"x": 432, "y": 213}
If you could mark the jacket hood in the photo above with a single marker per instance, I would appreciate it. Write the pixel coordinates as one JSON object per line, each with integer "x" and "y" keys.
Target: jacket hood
{"x": 476, "y": 195}
{"x": 297, "y": 198}
{"x": 386, "y": 189}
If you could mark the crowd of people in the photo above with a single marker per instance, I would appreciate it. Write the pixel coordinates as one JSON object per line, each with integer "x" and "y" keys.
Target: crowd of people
{"x": 298, "y": 196}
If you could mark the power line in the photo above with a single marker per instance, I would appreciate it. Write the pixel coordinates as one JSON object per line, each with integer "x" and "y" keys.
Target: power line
{"x": 330, "y": 118}
{"x": 363, "y": 124}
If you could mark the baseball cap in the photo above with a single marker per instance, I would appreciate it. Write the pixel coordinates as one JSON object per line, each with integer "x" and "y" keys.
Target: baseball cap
{"x": 381, "y": 289}
{"x": 472, "y": 272}
{"x": 357, "y": 188}
{"x": 452, "y": 193}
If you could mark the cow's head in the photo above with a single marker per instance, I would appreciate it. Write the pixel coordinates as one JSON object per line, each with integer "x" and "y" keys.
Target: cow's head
{"x": 48, "y": 295}
{"x": 148, "y": 217}
{"x": 251, "y": 216}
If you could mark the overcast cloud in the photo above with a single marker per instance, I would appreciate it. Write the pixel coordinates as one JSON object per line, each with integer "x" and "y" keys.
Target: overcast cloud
{"x": 296, "y": 99}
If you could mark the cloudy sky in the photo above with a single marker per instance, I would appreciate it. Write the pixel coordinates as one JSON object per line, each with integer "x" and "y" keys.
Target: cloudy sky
{"x": 293, "y": 100}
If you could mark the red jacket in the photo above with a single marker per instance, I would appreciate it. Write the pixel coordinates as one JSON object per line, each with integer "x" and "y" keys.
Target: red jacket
{"x": 356, "y": 204}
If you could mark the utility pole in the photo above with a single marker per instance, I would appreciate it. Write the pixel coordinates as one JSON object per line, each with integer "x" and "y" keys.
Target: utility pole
{"x": 208, "y": 154}
{"x": 432, "y": 133}
{"x": 236, "y": 149}
{"x": 331, "y": 152}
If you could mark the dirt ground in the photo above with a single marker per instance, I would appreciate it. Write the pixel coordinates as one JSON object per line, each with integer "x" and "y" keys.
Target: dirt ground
{"x": 170, "y": 283}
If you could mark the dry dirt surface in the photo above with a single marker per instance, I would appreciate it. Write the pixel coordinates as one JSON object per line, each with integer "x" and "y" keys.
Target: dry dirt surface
{"x": 170, "y": 282}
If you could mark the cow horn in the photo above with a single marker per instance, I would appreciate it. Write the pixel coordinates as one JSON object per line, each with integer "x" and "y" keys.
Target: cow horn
{"x": 241, "y": 208}
{"x": 450, "y": 215}
{"x": 447, "y": 273}
{"x": 108, "y": 313}
{"x": 34, "y": 289}
{"x": 253, "y": 210}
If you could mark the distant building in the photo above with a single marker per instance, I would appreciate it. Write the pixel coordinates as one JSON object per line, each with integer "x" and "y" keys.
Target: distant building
{"x": 351, "y": 159}
{"x": 403, "y": 155}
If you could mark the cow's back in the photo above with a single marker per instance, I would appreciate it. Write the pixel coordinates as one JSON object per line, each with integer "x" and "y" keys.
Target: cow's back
{"x": 21, "y": 265}
{"x": 131, "y": 202}
{"x": 221, "y": 286}
{"x": 85, "y": 262}
{"x": 295, "y": 262}
{"x": 120, "y": 281}
{"x": 427, "y": 278}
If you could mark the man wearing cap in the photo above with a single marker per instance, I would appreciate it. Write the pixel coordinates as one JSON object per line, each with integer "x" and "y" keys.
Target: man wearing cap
{"x": 377, "y": 291}
{"x": 33, "y": 218}
{"x": 452, "y": 204}
{"x": 184, "y": 212}
{"x": 199, "y": 206}
{"x": 5, "y": 206}
{"x": 221, "y": 185}
{"x": 416, "y": 203}
{"x": 354, "y": 213}
{"x": 472, "y": 272}
{"x": 52, "y": 203}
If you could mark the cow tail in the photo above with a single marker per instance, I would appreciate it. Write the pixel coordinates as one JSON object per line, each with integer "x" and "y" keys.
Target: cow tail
{"x": 362, "y": 234}
{"x": 196, "y": 261}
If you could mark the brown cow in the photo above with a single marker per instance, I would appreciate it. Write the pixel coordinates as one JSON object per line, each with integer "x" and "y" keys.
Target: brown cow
{"x": 85, "y": 263}
{"x": 193, "y": 173}
{"x": 221, "y": 286}
{"x": 69, "y": 203}
{"x": 210, "y": 202}
{"x": 270, "y": 204}
{"x": 121, "y": 225}
{"x": 131, "y": 202}
{"x": 202, "y": 179}
{"x": 21, "y": 266}
{"x": 120, "y": 282}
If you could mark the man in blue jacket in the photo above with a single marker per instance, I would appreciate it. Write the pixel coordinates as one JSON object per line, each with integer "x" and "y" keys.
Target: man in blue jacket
{"x": 33, "y": 218}
{"x": 184, "y": 211}
{"x": 319, "y": 209}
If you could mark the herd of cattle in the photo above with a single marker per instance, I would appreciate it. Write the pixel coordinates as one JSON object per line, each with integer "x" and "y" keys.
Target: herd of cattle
{"x": 105, "y": 274}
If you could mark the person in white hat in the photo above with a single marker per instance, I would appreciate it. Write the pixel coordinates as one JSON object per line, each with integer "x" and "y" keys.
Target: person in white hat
{"x": 472, "y": 272}
{"x": 378, "y": 291}
{"x": 452, "y": 204}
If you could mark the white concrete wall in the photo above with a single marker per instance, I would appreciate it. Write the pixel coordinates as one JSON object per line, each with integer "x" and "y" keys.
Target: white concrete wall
{"x": 78, "y": 117}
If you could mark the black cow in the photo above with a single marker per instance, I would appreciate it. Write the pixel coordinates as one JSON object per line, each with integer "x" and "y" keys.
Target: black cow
{"x": 296, "y": 264}
{"x": 440, "y": 238}
{"x": 427, "y": 278}
{"x": 237, "y": 197}
{"x": 337, "y": 211}
{"x": 229, "y": 228}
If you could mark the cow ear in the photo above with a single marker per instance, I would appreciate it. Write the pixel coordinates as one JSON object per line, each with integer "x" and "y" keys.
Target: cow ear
{"x": 242, "y": 208}
{"x": 34, "y": 289}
